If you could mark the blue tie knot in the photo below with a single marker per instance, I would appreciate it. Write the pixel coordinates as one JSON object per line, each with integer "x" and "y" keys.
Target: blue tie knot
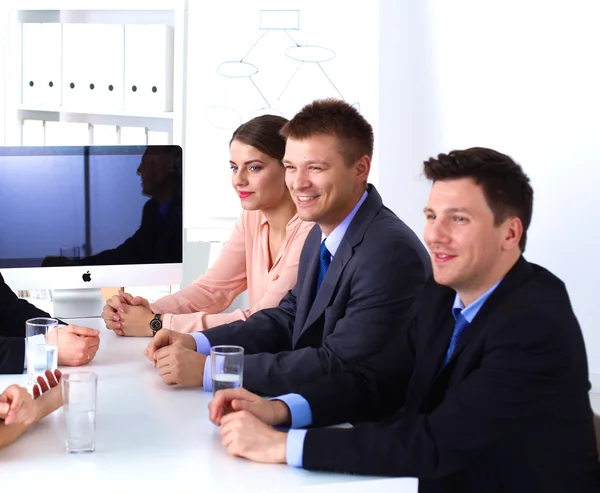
{"x": 324, "y": 262}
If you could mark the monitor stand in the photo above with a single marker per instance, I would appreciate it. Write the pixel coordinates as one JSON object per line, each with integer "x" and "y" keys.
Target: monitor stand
{"x": 77, "y": 303}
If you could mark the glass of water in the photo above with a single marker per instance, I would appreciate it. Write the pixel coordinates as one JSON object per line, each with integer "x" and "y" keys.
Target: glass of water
{"x": 71, "y": 253}
{"x": 39, "y": 354}
{"x": 227, "y": 367}
{"x": 79, "y": 392}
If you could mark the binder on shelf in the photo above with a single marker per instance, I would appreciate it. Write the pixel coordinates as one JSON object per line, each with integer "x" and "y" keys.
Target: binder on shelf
{"x": 67, "y": 134}
{"x": 105, "y": 135}
{"x": 148, "y": 68}
{"x": 52, "y": 64}
{"x": 133, "y": 136}
{"x": 105, "y": 84}
{"x": 32, "y": 61}
{"x": 77, "y": 65}
{"x": 158, "y": 138}
{"x": 32, "y": 133}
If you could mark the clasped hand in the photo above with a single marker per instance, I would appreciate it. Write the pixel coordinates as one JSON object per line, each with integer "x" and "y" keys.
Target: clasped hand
{"x": 246, "y": 422}
{"x": 127, "y": 315}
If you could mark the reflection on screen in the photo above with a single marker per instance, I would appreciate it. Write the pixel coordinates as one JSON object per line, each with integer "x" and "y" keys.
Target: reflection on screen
{"x": 95, "y": 205}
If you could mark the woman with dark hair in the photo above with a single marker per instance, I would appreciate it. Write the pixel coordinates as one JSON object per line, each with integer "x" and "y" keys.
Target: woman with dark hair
{"x": 261, "y": 255}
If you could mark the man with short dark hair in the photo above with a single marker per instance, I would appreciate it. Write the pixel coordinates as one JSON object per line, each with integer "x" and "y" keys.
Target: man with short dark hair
{"x": 361, "y": 270}
{"x": 498, "y": 394}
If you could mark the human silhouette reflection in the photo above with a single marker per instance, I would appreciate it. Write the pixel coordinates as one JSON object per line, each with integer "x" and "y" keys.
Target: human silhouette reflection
{"x": 159, "y": 237}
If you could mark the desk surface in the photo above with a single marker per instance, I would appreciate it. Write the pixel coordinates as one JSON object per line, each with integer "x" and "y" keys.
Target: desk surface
{"x": 152, "y": 437}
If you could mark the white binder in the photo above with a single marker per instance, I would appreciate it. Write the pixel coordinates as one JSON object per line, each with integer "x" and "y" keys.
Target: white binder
{"x": 32, "y": 58}
{"x": 106, "y": 52}
{"x": 32, "y": 133}
{"x": 104, "y": 135}
{"x": 77, "y": 63}
{"x": 133, "y": 136}
{"x": 52, "y": 64}
{"x": 158, "y": 138}
{"x": 148, "y": 68}
{"x": 67, "y": 134}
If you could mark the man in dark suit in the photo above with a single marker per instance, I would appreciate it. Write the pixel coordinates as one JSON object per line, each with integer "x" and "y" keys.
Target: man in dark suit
{"x": 488, "y": 390}
{"x": 360, "y": 271}
{"x": 76, "y": 345}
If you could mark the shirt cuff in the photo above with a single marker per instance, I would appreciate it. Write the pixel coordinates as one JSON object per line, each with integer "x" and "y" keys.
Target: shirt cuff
{"x": 207, "y": 376}
{"x": 294, "y": 448}
{"x": 299, "y": 409}
{"x": 202, "y": 343}
{"x": 167, "y": 321}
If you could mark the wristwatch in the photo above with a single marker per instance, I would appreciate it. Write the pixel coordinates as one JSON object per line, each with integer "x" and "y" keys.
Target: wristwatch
{"x": 155, "y": 324}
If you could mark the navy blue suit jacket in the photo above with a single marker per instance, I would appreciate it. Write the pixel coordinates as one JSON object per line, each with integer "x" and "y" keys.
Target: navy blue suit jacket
{"x": 368, "y": 294}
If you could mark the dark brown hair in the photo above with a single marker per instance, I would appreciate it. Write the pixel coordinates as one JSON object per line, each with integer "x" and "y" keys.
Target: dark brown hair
{"x": 333, "y": 117}
{"x": 505, "y": 186}
{"x": 263, "y": 134}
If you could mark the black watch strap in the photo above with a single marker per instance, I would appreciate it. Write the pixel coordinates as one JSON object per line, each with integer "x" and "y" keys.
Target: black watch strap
{"x": 155, "y": 324}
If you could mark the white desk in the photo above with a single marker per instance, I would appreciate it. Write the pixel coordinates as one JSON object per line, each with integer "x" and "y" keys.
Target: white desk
{"x": 151, "y": 437}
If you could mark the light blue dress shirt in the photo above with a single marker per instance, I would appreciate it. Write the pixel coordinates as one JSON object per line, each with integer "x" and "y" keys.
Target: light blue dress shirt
{"x": 300, "y": 409}
{"x": 332, "y": 242}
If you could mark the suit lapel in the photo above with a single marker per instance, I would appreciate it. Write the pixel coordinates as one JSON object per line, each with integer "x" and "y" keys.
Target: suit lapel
{"x": 354, "y": 235}
{"x": 514, "y": 278}
{"x": 309, "y": 281}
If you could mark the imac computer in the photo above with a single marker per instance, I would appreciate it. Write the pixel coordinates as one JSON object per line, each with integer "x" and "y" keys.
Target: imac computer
{"x": 80, "y": 218}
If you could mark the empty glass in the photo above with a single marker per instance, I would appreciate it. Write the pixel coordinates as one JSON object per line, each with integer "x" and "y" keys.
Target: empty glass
{"x": 79, "y": 392}
{"x": 39, "y": 354}
{"x": 227, "y": 367}
{"x": 71, "y": 253}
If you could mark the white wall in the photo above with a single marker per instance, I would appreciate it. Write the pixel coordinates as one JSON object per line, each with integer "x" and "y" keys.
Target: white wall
{"x": 521, "y": 76}
{"x": 230, "y": 32}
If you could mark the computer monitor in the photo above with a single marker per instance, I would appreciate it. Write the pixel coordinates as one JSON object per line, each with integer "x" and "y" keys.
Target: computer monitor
{"x": 79, "y": 218}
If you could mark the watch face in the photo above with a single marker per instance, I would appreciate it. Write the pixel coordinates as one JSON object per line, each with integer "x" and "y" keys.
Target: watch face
{"x": 155, "y": 324}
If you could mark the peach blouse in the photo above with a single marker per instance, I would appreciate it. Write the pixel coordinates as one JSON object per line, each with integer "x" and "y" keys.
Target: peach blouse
{"x": 242, "y": 264}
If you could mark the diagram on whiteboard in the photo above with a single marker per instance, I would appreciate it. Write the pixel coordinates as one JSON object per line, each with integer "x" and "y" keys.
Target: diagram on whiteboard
{"x": 273, "y": 73}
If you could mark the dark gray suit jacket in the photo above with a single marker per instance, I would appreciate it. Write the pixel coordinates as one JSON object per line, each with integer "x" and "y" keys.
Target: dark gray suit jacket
{"x": 369, "y": 293}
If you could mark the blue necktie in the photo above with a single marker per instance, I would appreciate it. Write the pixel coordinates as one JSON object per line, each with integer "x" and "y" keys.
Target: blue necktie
{"x": 460, "y": 325}
{"x": 324, "y": 261}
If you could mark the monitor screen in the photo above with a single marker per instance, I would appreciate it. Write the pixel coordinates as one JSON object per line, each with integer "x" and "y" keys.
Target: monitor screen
{"x": 92, "y": 216}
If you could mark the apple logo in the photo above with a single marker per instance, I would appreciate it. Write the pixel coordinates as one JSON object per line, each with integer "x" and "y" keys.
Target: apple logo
{"x": 87, "y": 277}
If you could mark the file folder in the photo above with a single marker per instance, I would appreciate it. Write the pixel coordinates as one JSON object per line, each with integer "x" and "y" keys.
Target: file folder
{"x": 32, "y": 57}
{"x": 106, "y": 51}
{"x": 67, "y": 134}
{"x": 105, "y": 135}
{"x": 148, "y": 68}
{"x": 133, "y": 136}
{"x": 32, "y": 133}
{"x": 77, "y": 65}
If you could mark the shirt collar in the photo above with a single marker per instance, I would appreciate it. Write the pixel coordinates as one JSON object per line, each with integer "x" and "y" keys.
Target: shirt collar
{"x": 470, "y": 311}
{"x": 332, "y": 242}
{"x": 162, "y": 209}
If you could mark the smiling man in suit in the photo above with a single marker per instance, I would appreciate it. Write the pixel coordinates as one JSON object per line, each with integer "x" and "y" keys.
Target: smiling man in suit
{"x": 498, "y": 394}
{"x": 360, "y": 271}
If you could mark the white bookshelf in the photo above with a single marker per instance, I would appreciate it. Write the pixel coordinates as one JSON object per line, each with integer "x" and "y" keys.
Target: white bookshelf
{"x": 171, "y": 13}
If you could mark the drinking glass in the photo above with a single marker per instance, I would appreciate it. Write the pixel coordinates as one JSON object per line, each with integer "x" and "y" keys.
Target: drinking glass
{"x": 40, "y": 355}
{"x": 227, "y": 365}
{"x": 79, "y": 392}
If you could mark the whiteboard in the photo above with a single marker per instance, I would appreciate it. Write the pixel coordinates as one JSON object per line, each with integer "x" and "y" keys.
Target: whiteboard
{"x": 247, "y": 58}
